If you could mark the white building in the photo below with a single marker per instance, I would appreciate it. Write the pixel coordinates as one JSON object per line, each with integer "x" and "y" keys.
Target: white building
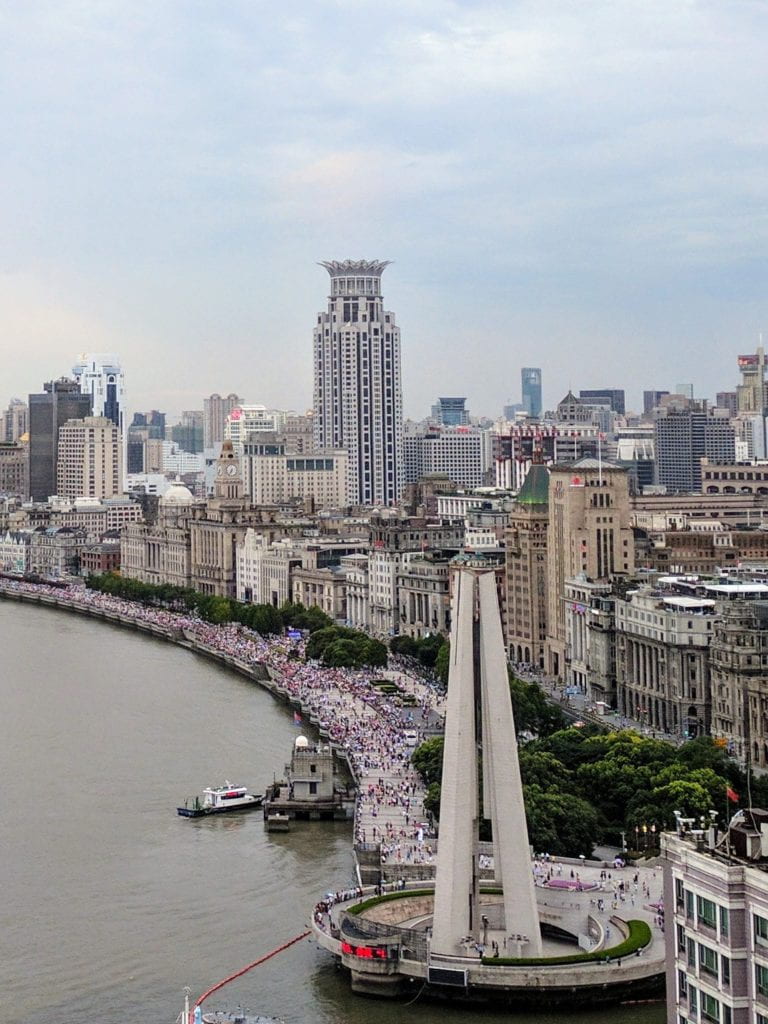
{"x": 90, "y": 459}
{"x": 272, "y": 477}
{"x": 357, "y": 392}
{"x": 179, "y": 462}
{"x": 263, "y": 569}
{"x": 100, "y": 375}
{"x": 244, "y": 420}
{"x": 463, "y": 453}
{"x": 14, "y": 551}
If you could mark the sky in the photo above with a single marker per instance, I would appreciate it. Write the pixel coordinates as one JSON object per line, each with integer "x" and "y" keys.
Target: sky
{"x": 573, "y": 184}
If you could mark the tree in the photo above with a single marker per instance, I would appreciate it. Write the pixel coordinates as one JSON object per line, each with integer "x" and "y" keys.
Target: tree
{"x": 442, "y": 661}
{"x": 427, "y": 759}
{"x": 558, "y": 823}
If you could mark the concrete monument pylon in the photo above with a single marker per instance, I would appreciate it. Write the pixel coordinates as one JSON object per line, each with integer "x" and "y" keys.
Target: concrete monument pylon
{"x": 479, "y": 715}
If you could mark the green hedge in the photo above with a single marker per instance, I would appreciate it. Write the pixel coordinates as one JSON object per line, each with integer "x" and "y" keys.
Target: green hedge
{"x": 639, "y": 937}
{"x": 387, "y": 898}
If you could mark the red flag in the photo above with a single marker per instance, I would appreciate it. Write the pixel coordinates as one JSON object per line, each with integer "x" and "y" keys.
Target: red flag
{"x": 732, "y": 794}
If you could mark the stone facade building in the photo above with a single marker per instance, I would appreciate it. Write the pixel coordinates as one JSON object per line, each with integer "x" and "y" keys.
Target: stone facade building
{"x": 588, "y": 533}
{"x": 55, "y": 553}
{"x": 739, "y": 680}
{"x": 526, "y": 570}
{"x": 423, "y": 589}
{"x": 14, "y": 468}
{"x": 662, "y": 659}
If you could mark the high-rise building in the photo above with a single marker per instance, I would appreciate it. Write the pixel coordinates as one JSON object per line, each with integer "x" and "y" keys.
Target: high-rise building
{"x": 357, "y": 392}
{"x": 530, "y": 377}
{"x": 450, "y": 412}
{"x": 751, "y": 394}
{"x": 588, "y": 533}
{"x": 215, "y": 412}
{"x": 61, "y": 400}
{"x": 13, "y": 422}
{"x": 651, "y": 400}
{"x": 614, "y": 397}
{"x": 101, "y": 376}
{"x": 465, "y": 454}
{"x": 526, "y": 569}
{"x": 682, "y": 438}
{"x": 188, "y": 433}
{"x": 90, "y": 456}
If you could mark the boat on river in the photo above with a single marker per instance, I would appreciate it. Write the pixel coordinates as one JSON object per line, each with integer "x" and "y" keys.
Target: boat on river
{"x": 220, "y": 800}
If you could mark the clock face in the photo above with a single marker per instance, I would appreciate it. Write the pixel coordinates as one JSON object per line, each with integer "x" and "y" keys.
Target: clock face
{"x": 219, "y": 470}
{"x": 231, "y": 469}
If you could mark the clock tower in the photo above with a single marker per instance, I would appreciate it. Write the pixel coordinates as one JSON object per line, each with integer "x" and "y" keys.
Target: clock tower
{"x": 229, "y": 479}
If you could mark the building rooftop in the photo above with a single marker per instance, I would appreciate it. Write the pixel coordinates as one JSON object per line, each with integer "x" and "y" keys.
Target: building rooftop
{"x": 535, "y": 489}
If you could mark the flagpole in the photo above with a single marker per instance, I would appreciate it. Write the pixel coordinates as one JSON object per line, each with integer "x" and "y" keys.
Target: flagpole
{"x": 600, "y": 458}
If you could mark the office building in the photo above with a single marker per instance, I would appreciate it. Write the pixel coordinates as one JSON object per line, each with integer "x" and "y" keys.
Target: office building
{"x": 526, "y": 570}
{"x": 89, "y": 459}
{"x": 101, "y": 376}
{"x": 450, "y": 412}
{"x": 751, "y": 394}
{"x": 613, "y": 397}
{"x": 247, "y": 420}
{"x": 464, "y": 454}
{"x": 13, "y": 422}
{"x": 652, "y": 400}
{"x": 215, "y": 412}
{"x": 188, "y": 432}
{"x": 682, "y": 438}
{"x": 588, "y": 532}
{"x": 62, "y": 400}
{"x": 357, "y": 387}
{"x": 272, "y": 476}
{"x": 531, "y": 390}
{"x": 14, "y": 469}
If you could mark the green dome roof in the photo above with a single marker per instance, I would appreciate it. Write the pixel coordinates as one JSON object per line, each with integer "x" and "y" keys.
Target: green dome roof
{"x": 535, "y": 489}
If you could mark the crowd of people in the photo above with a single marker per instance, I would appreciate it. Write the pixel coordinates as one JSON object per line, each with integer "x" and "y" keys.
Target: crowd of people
{"x": 360, "y": 718}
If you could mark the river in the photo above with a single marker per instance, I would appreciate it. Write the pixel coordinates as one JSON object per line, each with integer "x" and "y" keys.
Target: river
{"x": 111, "y": 903}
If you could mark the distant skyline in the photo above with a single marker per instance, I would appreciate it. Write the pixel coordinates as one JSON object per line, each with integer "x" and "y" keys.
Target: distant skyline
{"x": 576, "y": 187}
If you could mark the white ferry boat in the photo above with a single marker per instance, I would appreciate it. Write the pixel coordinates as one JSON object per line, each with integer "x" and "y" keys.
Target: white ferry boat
{"x": 220, "y": 800}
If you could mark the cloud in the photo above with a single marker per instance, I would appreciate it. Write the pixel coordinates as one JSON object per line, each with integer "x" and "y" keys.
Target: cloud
{"x": 543, "y": 173}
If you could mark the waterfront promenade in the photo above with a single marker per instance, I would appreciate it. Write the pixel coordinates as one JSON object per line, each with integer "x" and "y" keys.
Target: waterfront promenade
{"x": 365, "y": 726}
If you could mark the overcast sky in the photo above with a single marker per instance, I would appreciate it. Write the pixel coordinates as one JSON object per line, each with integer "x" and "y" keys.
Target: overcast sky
{"x": 579, "y": 185}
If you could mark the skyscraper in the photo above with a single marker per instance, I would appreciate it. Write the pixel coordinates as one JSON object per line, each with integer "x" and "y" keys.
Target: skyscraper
{"x": 682, "y": 438}
{"x": 90, "y": 458}
{"x": 215, "y": 412}
{"x": 531, "y": 388}
{"x": 62, "y": 400}
{"x": 100, "y": 375}
{"x": 357, "y": 393}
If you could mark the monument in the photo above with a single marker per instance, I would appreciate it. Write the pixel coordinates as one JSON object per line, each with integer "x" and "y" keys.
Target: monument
{"x": 479, "y": 721}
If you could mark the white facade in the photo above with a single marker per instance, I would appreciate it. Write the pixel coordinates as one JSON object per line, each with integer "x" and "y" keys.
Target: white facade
{"x": 252, "y": 419}
{"x": 100, "y": 375}
{"x": 90, "y": 459}
{"x": 263, "y": 569}
{"x": 465, "y": 454}
{"x": 357, "y": 392}
{"x": 14, "y": 551}
{"x": 176, "y": 460}
{"x": 272, "y": 477}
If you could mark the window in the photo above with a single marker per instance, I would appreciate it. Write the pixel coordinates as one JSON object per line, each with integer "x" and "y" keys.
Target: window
{"x": 691, "y": 953}
{"x": 679, "y": 891}
{"x": 689, "y": 904}
{"x": 710, "y": 1008}
{"x": 707, "y": 960}
{"x": 682, "y": 984}
{"x": 706, "y": 912}
{"x": 693, "y": 1000}
{"x": 761, "y": 979}
{"x": 761, "y": 930}
{"x": 724, "y": 922}
{"x": 725, "y": 970}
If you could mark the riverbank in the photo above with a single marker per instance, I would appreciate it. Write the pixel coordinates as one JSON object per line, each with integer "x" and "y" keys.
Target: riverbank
{"x": 362, "y": 724}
